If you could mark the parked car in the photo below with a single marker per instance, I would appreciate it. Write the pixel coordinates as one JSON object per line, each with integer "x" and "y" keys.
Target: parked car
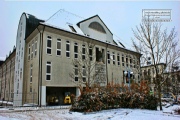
{"x": 178, "y": 99}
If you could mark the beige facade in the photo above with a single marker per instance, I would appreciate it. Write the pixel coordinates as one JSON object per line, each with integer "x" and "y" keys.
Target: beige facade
{"x": 61, "y": 65}
{"x": 7, "y": 77}
{"x": 148, "y": 73}
{"x": 48, "y": 55}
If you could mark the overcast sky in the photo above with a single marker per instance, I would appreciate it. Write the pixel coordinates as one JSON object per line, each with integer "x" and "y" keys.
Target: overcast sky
{"x": 119, "y": 16}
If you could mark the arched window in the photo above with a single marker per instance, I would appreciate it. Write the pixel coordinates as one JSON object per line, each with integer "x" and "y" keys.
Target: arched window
{"x": 97, "y": 26}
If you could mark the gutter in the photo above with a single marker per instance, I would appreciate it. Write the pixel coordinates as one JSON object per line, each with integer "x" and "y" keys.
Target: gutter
{"x": 40, "y": 66}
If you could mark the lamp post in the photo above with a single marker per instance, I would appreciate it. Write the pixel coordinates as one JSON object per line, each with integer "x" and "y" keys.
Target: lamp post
{"x": 128, "y": 72}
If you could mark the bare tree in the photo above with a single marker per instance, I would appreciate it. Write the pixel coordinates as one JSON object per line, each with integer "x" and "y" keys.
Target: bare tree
{"x": 158, "y": 44}
{"x": 87, "y": 69}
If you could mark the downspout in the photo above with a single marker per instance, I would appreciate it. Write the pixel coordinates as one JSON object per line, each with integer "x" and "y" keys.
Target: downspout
{"x": 40, "y": 66}
{"x": 106, "y": 64}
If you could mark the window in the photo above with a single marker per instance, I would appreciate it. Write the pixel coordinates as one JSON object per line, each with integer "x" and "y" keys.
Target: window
{"x": 149, "y": 71}
{"x": 67, "y": 49}
{"x": 75, "y": 50}
{"x": 58, "y": 52}
{"x": 84, "y": 74}
{"x": 83, "y": 52}
{"x": 72, "y": 28}
{"x": 126, "y": 61}
{"x": 31, "y": 73}
{"x": 48, "y": 71}
{"x": 134, "y": 62}
{"x": 29, "y": 52}
{"x": 32, "y": 49}
{"x": 49, "y": 44}
{"x": 90, "y": 53}
{"x": 35, "y": 47}
{"x": 118, "y": 59}
{"x": 108, "y": 57}
{"x": 153, "y": 70}
{"x": 113, "y": 57}
{"x": 30, "y": 89}
{"x": 76, "y": 72}
{"x": 22, "y": 53}
{"x": 122, "y": 60}
{"x": 130, "y": 60}
{"x": 97, "y": 26}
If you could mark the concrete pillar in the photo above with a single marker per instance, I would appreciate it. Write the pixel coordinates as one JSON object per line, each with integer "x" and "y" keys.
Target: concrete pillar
{"x": 77, "y": 92}
{"x": 43, "y": 96}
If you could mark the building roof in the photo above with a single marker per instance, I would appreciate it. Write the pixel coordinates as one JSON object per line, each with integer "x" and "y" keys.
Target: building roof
{"x": 31, "y": 23}
{"x": 66, "y": 21}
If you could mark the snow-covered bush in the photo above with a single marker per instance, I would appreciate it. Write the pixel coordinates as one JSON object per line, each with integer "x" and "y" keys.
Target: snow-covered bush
{"x": 114, "y": 96}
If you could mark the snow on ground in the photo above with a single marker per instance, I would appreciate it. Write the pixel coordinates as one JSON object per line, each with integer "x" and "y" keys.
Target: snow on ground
{"x": 62, "y": 113}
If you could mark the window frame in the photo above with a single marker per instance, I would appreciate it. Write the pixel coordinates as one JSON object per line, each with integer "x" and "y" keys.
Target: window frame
{"x": 75, "y": 52}
{"x": 49, "y": 38}
{"x": 83, "y": 51}
{"x": 76, "y": 75}
{"x": 49, "y": 63}
{"x": 57, "y": 49}
{"x": 29, "y": 52}
{"x": 35, "y": 48}
{"x": 68, "y": 52}
{"x": 118, "y": 59}
{"x": 123, "y": 60}
{"x": 32, "y": 48}
{"x": 31, "y": 72}
{"x": 84, "y": 76}
{"x": 90, "y": 55}
{"x": 114, "y": 60}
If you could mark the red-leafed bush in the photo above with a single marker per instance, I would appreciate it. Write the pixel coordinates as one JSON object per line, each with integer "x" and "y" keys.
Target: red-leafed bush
{"x": 114, "y": 96}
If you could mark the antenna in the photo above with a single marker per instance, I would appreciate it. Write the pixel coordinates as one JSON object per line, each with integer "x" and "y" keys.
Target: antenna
{"x": 54, "y": 14}
{"x": 64, "y": 11}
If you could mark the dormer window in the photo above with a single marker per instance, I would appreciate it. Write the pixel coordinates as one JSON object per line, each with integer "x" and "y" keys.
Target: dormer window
{"x": 97, "y": 26}
{"x": 72, "y": 28}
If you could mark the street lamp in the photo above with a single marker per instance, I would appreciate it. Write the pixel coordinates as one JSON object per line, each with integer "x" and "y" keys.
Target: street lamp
{"x": 128, "y": 72}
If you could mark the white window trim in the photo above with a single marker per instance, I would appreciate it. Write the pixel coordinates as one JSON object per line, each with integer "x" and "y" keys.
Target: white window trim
{"x": 32, "y": 47}
{"x": 35, "y": 48}
{"x": 47, "y": 64}
{"x": 123, "y": 60}
{"x": 31, "y": 72}
{"x": 29, "y": 52}
{"x": 90, "y": 56}
{"x": 68, "y": 43}
{"x": 30, "y": 88}
{"x": 83, "y": 54}
{"x": 47, "y": 45}
{"x": 83, "y": 68}
{"x": 58, "y": 41}
{"x": 76, "y": 67}
{"x": 118, "y": 61}
{"x": 113, "y": 58}
{"x": 76, "y": 53}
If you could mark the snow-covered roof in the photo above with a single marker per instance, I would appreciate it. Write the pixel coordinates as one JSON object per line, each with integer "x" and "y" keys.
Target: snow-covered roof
{"x": 64, "y": 20}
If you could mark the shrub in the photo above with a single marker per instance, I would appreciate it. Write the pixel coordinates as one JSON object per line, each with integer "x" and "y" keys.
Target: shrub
{"x": 114, "y": 96}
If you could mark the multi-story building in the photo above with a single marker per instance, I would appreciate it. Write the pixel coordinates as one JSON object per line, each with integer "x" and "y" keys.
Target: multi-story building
{"x": 171, "y": 82}
{"x": 148, "y": 73}
{"x": 44, "y": 55}
{"x": 7, "y": 77}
